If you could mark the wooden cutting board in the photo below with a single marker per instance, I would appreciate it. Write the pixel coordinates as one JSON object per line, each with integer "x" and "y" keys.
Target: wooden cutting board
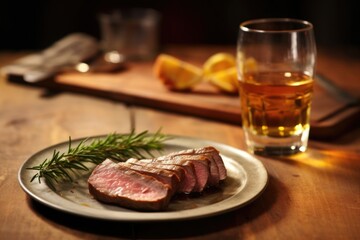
{"x": 330, "y": 116}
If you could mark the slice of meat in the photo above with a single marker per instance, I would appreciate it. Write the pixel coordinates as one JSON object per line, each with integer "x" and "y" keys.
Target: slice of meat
{"x": 186, "y": 176}
{"x": 213, "y": 178}
{"x": 201, "y": 167}
{"x": 178, "y": 171}
{"x": 113, "y": 183}
{"x": 213, "y": 152}
{"x": 210, "y": 152}
{"x": 163, "y": 175}
{"x": 190, "y": 176}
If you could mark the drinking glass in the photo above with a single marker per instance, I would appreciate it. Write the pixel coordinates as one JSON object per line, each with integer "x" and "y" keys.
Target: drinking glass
{"x": 275, "y": 61}
{"x": 130, "y": 32}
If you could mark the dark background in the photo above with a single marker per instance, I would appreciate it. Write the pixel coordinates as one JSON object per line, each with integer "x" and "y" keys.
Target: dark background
{"x": 37, "y": 24}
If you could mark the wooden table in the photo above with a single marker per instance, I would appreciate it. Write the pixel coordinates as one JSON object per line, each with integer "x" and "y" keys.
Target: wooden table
{"x": 315, "y": 195}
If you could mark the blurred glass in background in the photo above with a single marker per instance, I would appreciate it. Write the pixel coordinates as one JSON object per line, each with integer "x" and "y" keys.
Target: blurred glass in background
{"x": 37, "y": 24}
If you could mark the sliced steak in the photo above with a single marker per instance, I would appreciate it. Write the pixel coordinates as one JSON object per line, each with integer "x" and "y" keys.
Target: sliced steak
{"x": 213, "y": 169}
{"x": 201, "y": 167}
{"x": 210, "y": 152}
{"x": 214, "y": 177}
{"x": 190, "y": 181}
{"x": 113, "y": 183}
{"x": 163, "y": 175}
{"x": 187, "y": 178}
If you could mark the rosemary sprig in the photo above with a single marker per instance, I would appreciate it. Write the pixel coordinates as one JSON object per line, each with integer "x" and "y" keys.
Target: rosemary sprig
{"x": 119, "y": 147}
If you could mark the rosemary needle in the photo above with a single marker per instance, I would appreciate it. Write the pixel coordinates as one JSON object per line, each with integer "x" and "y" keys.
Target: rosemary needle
{"x": 119, "y": 147}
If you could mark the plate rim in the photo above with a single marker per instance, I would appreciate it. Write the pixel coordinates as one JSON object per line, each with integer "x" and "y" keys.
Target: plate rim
{"x": 136, "y": 216}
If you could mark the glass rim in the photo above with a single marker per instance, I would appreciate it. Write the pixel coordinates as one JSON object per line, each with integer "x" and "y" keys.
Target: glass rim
{"x": 304, "y": 25}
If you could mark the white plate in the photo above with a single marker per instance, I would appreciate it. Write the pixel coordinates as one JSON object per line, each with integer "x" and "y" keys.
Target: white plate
{"x": 247, "y": 178}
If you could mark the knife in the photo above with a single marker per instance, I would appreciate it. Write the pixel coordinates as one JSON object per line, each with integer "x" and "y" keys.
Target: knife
{"x": 336, "y": 91}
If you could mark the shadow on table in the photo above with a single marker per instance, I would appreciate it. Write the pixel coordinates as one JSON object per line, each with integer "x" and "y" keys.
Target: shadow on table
{"x": 228, "y": 225}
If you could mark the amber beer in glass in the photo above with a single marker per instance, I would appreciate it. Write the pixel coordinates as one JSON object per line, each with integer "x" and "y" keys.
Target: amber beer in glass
{"x": 276, "y": 60}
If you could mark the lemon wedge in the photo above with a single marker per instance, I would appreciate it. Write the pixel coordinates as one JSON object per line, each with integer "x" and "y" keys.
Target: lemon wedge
{"x": 218, "y": 62}
{"x": 225, "y": 80}
{"x": 220, "y": 70}
{"x": 175, "y": 73}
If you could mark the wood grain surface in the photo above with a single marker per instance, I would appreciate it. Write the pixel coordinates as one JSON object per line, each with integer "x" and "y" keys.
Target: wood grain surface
{"x": 315, "y": 195}
{"x": 331, "y": 113}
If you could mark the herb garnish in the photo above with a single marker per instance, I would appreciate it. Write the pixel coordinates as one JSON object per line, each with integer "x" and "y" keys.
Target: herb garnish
{"x": 119, "y": 147}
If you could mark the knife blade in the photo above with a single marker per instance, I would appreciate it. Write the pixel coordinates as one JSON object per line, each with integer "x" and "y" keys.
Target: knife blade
{"x": 336, "y": 91}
